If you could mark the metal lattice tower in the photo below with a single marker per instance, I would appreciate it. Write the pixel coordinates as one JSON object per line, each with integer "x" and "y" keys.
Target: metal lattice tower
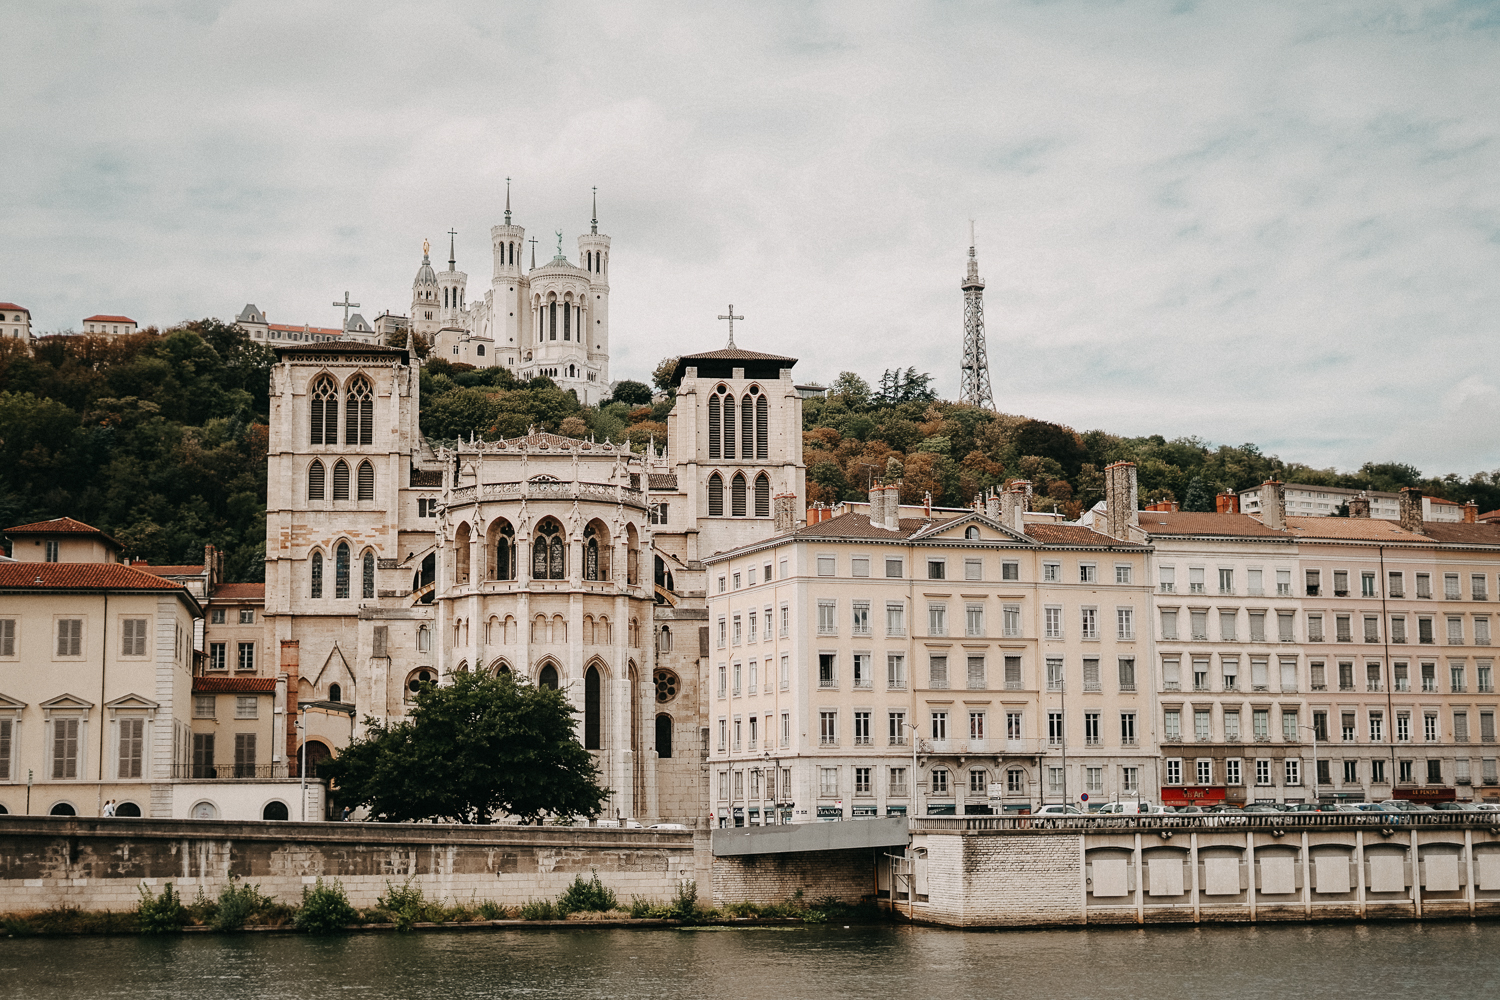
{"x": 974, "y": 379}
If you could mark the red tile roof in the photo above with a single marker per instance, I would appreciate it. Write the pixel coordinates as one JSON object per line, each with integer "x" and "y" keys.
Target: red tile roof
{"x": 240, "y": 592}
{"x": 13, "y": 306}
{"x": 79, "y": 576}
{"x": 1355, "y": 529}
{"x": 735, "y": 354}
{"x": 234, "y": 685}
{"x": 1157, "y": 522}
{"x": 56, "y": 526}
{"x": 330, "y": 331}
{"x": 168, "y": 570}
{"x": 1075, "y": 534}
{"x": 1462, "y": 533}
{"x": 1493, "y": 515}
{"x": 101, "y": 318}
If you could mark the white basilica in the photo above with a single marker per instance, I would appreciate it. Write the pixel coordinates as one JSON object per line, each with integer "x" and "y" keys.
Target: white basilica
{"x": 551, "y": 320}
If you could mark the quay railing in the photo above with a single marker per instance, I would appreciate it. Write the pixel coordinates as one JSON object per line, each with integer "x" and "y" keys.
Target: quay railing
{"x": 1210, "y": 821}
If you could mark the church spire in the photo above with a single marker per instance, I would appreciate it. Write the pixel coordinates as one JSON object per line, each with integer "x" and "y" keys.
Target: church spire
{"x": 594, "y": 225}
{"x": 507, "y": 201}
{"x": 452, "y": 261}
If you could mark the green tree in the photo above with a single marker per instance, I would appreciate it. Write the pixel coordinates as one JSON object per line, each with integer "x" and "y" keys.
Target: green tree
{"x": 634, "y": 393}
{"x": 851, "y": 390}
{"x": 472, "y": 749}
{"x": 661, "y": 375}
{"x": 1199, "y": 496}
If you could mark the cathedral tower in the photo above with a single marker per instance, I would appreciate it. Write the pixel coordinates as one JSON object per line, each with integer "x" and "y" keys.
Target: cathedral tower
{"x": 452, "y": 285}
{"x": 593, "y": 257}
{"x": 426, "y": 299}
{"x": 508, "y": 286}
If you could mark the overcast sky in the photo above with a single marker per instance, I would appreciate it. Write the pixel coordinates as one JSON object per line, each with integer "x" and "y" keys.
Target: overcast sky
{"x": 1267, "y": 222}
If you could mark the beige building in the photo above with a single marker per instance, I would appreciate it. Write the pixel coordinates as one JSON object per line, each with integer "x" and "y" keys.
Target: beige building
{"x": 895, "y": 660}
{"x": 104, "y": 325}
{"x": 1304, "y": 500}
{"x": 15, "y": 322}
{"x": 61, "y": 539}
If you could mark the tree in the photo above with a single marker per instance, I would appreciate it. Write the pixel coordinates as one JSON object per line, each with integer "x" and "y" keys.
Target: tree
{"x": 661, "y": 375}
{"x": 476, "y": 748}
{"x": 851, "y": 390}
{"x": 634, "y": 393}
{"x": 1199, "y": 496}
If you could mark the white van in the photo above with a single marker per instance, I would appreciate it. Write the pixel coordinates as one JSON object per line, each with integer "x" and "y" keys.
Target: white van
{"x": 1131, "y": 807}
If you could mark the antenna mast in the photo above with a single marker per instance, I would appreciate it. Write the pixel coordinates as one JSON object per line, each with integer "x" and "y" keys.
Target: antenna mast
{"x": 974, "y": 373}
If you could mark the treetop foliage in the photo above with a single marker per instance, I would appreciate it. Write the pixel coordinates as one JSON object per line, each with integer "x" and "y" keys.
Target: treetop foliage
{"x": 470, "y": 750}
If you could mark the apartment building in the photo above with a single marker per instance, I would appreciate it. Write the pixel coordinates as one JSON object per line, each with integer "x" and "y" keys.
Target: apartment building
{"x": 1306, "y": 500}
{"x": 932, "y": 662}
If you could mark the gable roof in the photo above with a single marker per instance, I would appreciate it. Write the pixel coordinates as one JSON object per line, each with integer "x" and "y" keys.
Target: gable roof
{"x": 168, "y": 570}
{"x": 1156, "y": 522}
{"x": 33, "y": 576}
{"x": 1462, "y": 533}
{"x": 1074, "y": 535}
{"x": 1353, "y": 529}
{"x": 721, "y": 364}
{"x": 14, "y": 308}
{"x": 101, "y": 318}
{"x": 937, "y": 528}
{"x": 58, "y": 526}
{"x": 239, "y": 592}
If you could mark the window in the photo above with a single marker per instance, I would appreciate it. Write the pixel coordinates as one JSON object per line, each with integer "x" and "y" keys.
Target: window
{"x": 341, "y": 571}
{"x": 1015, "y": 781}
{"x": 940, "y": 781}
{"x": 1477, "y": 589}
{"x": 365, "y": 482}
{"x": 1010, "y": 621}
{"x": 1403, "y": 728}
{"x": 1456, "y": 677}
{"x": 1424, "y": 585}
{"x": 1122, "y": 573}
{"x": 937, "y": 671}
{"x": 973, "y": 569}
{"x": 1404, "y": 769}
{"x": 65, "y": 748}
{"x": 1257, "y": 626}
{"x": 1429, "y": 677}
{"x": 1125, "y": 624}
{"x": 1013, "y": 673}
{"x": 1367, "y": 585}
{"x": 70, "y": 637}
{"x": 862, "y": 781}
{"x": 1450, "y": 587}
{"x": 1127, "y": 729}
{"x": 50, "y": 550}
{"x": 1010, "y": 571}
{"x": 1204, "y": 772}
{"x": 827, "y": 619}
{"x": 1293, "y": 770}
{"x": 246, "y": 659}
{"x": 133, "y": 637}
{"x": 1090, "y": 623}
{"x": 1395, "y": 584}
{"x": 1171, "y": 673}
{"x": 1481, "y": 631}
{"x": 723, "y": 733}
{"x": 1195, "y": 580}
{"x": 1202, "y": 725}
{"x": 786, "y": 729}
{"x": 1283, "y": 583}
{"x": 895, "y": 672}
{"x": 737, "y": 633}
{"x": 1262, "y": 772}
{"x": 1226, "y": 581}
{"x": 1054, "y": 729}
{"x": 939, "y": 726}
{"x": 736, "y": 671}
{"x": 1200, "y": 675}
{"x": 1130, "y": 779}
{"x": 975, "y": 673}
{"x": 937, "y": 619}
{"x": 1054, "y": 673}
{"x": 1232, "y": 775}
{"x": 1231, "y": 725}
{"x": 1261, "y": 720}
{"x": 1259, "y": 671}
{"x": 861, "y": 623}
{"x": 976, "y": 725}
{"x": 736, "y": 581}
{"x": 1229, "y": 667}
{"x": 1168, "y": 579}
{"x": 1199, "y": 621}
{"x": 827, "y": 677}
{"x": 1434, "y": 772}
{"x": 1289, "y": 726}
{"x": 1088, "y": 573}
{"x": 1485, "y": 674}
{"x": 217, "y": 656}
{"x": 1052, "y": 622}
{"x": 1174, "y": 771}
{"x": 1169, "y": 624}
{"x": 863, "y": 670}
{"x": 893, "y": 569}
{"x": 246, "y": 706}
{"x": 896, "y": 728}
{"x": 1091, "y": 674}
{"x": 1430, "y": 727}
{"x": 1286, "y": 626}
{"x": 786, "y": 672}
{"x": 862, "y": 729}
{"x": 1013, "y": 726}
{"x": 1091, "y": 734}
{"x": 785, "y": 621}
{"x": 723, "y": 632}
{"x": 937, "y": 569}
{"x": 895, "y": 620}
{"x": 1455, "y": 631}
{"x": 1460, "y": 727}
{"x": 974, "y": 619}
{"x": 1127, "y": 673}
{"x": 1051, "y": 572}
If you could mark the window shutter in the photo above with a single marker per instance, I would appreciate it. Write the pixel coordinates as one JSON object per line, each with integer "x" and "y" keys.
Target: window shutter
{"x": 315, "y": 481}
{"x": 70, "y": 637}
{"x": 728, "y": 426}
{"x": 762, "y": 496}
{"x": 244, "y": 755}
{"x": 6, "y": 728}
{"x": 737, "y": 496}
{"x": 366, "y": 481}
{"x": 762, "y": 427}
{"x": 65, "y": 748}
{"x": 747, "y": 427}
{"x": 341, "y": 480}
{"x": 7, "y": 637}
{"x": 132, "y": 743}
{"x": 203, "y": 755}
{"x": 713, "y": 426}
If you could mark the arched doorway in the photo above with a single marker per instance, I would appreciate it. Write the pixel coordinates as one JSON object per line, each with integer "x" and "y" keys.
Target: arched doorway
{"x": 315, "y": 752}
{"x": 275, "y": 811}
{"x": 664, "y": 736}
{"x": 127, "y": 809}
{"x": 547, "y": 677}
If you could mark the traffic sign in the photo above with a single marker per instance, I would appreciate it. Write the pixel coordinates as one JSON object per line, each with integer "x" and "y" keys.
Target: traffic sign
{"x": 1084, "y": 797}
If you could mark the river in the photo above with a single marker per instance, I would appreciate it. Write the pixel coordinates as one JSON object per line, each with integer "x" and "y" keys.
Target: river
{"x": 1329, "y": 962}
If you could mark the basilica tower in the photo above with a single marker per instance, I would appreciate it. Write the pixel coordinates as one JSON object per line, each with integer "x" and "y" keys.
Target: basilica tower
{"x": 452, "y": 285}
{"x": 593, "y": 256}
{"x": 508, "y": 285}
{"x": 426, "y": 298}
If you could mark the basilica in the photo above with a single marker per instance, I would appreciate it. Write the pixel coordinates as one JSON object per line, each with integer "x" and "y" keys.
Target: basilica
{"x": 574, "y": 564}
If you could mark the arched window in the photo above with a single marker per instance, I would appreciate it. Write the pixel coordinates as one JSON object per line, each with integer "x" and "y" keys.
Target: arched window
{"x": 972, "y": 531}
{"x": 762, "y": 495}
{"x": 325, "y": 411}
{"x": 552, "y": 321}
{"x": 479, "y": 349}
{"x": 747, "y": 426}
{"x": 715, "y": 496}
{"x": 664, "y": 736}
{"x": 315, "y": 480}
{"x": 335, "y": 693}
{"x": 127, "y": 809}
{"x": 366, "y": 481}
{"x": 737, "y": 495}
{"x": 595, "y": 552}
{"x": 591, "y": 707}
{"x": 547, "y": 562}
{"x": 341, "y": 480}
{"x": 762, "y": 424}
{"x": 505, "y": 544}
{"x": 728, "y": 426}
{"x": 461, "y": 554}
{"x": 715, "y": 422}
{"x": 367, "y": 582}
{"x": 272, "y": 811}
{"x": 418, "y": 679}
{"x": 341, "y": 571}
{"x": 316, "y": 589}
{"x": 664, "y": 640}
{"x": 548, "y": 677}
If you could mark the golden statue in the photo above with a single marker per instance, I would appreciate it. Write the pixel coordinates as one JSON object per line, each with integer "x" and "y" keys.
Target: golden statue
{"x": 425, "y": 247}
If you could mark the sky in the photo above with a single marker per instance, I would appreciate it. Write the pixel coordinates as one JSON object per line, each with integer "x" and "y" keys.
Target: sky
{"x": 1258, "y": 222}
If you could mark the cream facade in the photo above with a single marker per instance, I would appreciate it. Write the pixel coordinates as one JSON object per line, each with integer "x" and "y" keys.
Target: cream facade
{"x": 15, "y": 322}
{"x": 63, "y": 540}
{"x": 947, "y": 663}
{"x": 103, "y": 325}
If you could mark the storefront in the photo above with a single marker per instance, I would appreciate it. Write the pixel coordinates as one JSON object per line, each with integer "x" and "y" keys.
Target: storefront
{"x": 1193, "y": 795}
{"x": 1426, "y": 795}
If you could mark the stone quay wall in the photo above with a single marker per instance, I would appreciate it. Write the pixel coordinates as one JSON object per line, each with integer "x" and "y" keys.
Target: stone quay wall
{"x": 997, "y": 873}
{"x": 100, "y": 864}
{"x": 847, "y": 875}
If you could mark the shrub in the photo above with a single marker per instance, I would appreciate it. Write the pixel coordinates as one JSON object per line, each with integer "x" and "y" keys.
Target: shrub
{"x": 161, "y": 914}
{"x": 684, "y": 905}
{"x": 491, "y": 910}
{"x": 583, "y": 896}
{"x": 641, "y": 907}
{"x": 237, "y": 904}
{"x": 404, "y": 905}
{"x": 539, "y": 909}
{"x": 325, "y": 909}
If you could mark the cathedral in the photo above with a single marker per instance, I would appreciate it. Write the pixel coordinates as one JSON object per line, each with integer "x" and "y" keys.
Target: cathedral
{"x": 551, "y": 320}
{"x": 572, "y": 564}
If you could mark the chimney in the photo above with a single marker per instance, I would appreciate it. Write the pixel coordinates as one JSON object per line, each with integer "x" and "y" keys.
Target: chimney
{"x": 290, "y": 658}
{"x": 1273, "y": 504}
{"x": 893, "y": 507}
{"x": 1411, "y": 509}
{"x": 1013, "y": 507}
{"x": 784, "y": 507}
{"x": 877, "y": 505}
{"x": 1120, "y": 499}
{"x": 1359, "y": 506}
{"x": 1227, "y": 502}
{"x": 992, "y": 506}
{"x": 927, "y": 505}
{"x": 1471, "y": 513}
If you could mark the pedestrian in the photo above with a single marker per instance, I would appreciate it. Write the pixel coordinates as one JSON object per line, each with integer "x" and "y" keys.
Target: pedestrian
{"x": 346, "y": 814}
{"x": 109, "y": 807}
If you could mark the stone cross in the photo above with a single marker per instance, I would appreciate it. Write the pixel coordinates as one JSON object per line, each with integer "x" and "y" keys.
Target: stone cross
{"x": 347, "y": 306}
{"x": 731, "y": 317}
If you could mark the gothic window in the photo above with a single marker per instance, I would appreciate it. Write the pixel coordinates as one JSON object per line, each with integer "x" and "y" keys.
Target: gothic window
{"x": 762, "y": 424}
{"x": 505, "y": 568}
{"x": 418, "y": 679}
{"x": 335, "y": 693}
{"x": 591, "y": 708}
{"x": 747, "y": 426}
{"x": 315, "y": 481}
{"x": 762, "y": 495}
{"x": 359, "y": 412}
{"x": 715, "y": 421}
{"x": 552, "y": 321}
{"x": 664, "y": 640}
{"x": 341, "y": 571}
{"x": 366, "y": 481}
{"x": 737, "y": 495}
{"x": 341, "y": 480}
{"x": 547, "y": 561}
{"x": 666, "y": 685}
{"x": 316, "y": 589}
{"x": 367, "y": 583}
{"x": 461, "y": 554}
{"x": 590, "y": 552}
{"x": 325, "y": 411}
{"x": 547, "y": 678}
{"x": 664, "y": 736}
{"x": 728, "y": 426}
{"x": 567, "y": 321}
{"x": 715, "y": 496}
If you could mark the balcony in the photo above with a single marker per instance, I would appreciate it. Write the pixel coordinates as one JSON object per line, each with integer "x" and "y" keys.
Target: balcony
{"x": 863, "y": 741}
{"x": 1126, "y": 637}
{"x": 825, "y": 741}
{"x": 898, "y": 741}
{"x": 1197, "y": 588}
{"x": 1169, "y": 588}
{"x": 241, "y": 772}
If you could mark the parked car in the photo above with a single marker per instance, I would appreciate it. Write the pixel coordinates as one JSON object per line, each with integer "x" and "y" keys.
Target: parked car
{"x": 1262, "y": 807}
{"x": 1058, "y": 809}
{"x": 617, "y": 824}
{"x": 1132, "y": 807}
{"x": 667, "y": 826}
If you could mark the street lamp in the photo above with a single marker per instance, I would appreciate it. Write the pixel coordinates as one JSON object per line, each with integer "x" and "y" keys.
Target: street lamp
{"x": 1314, "y": 731}
{"x": 911, "y": 785}
{"x": 302, "y": 761}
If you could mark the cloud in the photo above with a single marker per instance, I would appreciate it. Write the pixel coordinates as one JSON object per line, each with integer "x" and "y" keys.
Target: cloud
{"x": 1251, "y": 222}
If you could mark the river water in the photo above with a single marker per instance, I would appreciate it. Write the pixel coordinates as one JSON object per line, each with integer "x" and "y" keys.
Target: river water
{"x": 1328, "y": 962}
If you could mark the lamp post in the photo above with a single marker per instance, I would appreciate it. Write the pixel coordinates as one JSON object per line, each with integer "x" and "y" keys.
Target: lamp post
{"x": 911, "y": 785}
{"x": 1314, "y": 731}
{"x": 302, "y": 761}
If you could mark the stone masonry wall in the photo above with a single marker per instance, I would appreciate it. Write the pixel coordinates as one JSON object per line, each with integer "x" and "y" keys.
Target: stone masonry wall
{"x": 772, "y": 878}
{"x": 99, "y": 864}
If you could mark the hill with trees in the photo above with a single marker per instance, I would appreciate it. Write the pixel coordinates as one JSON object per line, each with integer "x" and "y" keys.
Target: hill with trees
{"x": 160, "y": 440}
